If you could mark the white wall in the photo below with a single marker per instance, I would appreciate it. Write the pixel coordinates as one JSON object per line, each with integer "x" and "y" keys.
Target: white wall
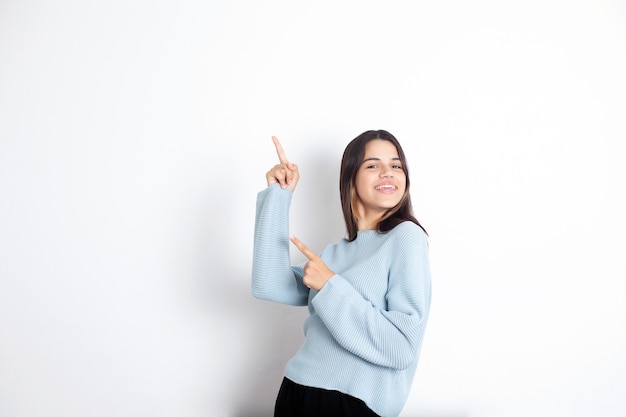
{"x": 134, "y": 137}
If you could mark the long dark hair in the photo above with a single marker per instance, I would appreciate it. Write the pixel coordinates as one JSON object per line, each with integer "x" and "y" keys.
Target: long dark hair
{"x": 350, "y": 163}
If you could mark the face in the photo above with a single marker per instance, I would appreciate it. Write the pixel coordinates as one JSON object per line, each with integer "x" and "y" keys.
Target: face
{"x": 380, "y": 181}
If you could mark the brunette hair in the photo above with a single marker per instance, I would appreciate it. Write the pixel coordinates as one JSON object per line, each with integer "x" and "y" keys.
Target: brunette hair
{"x": 350, "y": 163}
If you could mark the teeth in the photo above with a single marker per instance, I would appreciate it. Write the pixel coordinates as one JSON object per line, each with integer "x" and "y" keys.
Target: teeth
{"x": 390, "y": 187}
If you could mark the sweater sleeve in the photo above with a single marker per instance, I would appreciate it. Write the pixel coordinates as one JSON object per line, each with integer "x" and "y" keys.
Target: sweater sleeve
{"x": 388, "y": 337}
{"x": 273, "y": 278}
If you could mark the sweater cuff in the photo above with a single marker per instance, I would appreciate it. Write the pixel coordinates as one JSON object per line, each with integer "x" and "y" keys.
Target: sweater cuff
{"x": 272, "y": 189}
{"x": 336, "y": 286}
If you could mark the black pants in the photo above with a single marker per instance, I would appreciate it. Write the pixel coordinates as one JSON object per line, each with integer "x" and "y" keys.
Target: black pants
{"x": 295, "y": 400}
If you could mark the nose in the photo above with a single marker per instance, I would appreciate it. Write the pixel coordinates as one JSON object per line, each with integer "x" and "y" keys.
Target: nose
{"x": 386, "y": 172}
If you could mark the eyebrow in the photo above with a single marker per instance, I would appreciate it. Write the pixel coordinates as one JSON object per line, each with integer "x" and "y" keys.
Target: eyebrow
{"x": 378, "y": 159}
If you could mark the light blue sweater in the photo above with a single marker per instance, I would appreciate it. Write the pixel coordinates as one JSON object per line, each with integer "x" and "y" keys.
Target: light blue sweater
{"x": 366, "y": 325}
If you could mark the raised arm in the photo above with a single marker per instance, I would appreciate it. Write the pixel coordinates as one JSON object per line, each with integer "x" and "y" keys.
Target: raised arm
{"x": 273, "y": 278}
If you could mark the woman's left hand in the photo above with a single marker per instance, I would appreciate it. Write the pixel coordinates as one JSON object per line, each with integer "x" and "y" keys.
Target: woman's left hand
{"x": 316, "y": 273}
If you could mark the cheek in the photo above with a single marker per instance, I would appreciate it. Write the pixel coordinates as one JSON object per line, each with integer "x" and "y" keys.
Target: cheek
{"x": 360, "y": 183}
{"x": 403, "y": 181}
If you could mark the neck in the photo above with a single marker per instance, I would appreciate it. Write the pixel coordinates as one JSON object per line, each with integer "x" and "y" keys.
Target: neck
{"x": 368, "y": 221}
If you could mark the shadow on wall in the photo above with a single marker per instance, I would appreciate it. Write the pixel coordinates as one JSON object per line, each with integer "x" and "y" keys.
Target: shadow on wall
{"x": 251, "y": 339}
{"x": 265, "y": 334}
{"x": 278, "y": 330}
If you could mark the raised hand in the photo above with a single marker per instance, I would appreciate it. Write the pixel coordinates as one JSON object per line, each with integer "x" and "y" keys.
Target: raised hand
{"x": 285, "y": 173}
{"x": 316, "y": 273}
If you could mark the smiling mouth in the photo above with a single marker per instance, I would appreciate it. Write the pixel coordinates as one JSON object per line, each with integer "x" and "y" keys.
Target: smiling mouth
{"x": 386, "y": 187}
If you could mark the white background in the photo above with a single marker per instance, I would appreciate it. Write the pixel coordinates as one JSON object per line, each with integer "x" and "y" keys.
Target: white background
{"x": 134, "y": 136}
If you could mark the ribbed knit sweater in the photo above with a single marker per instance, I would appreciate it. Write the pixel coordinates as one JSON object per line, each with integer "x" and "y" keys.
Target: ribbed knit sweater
{"x": 364, "y": 332}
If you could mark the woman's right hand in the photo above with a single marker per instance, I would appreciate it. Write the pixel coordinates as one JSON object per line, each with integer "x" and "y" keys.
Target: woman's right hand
{"x": 285, "y": 173}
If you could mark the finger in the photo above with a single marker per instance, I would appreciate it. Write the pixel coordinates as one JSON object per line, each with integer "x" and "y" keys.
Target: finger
{"x": 288, "y": 175}
{"x": 282, "y": 157}
{"x": 280, "y": 175}
{"x": 271, "y": 174}
{"x": 303, "y": 248}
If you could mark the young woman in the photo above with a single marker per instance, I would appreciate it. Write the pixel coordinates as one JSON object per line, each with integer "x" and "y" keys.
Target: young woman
{"x": 368, "y": 295}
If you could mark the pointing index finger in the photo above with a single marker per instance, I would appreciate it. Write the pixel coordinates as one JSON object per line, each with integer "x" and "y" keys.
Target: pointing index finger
{"x": 303, "y": 248}
{"x": 282, "y": 157}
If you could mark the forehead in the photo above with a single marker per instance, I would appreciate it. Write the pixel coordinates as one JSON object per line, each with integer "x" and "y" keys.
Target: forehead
{"x": 380, "y": 148}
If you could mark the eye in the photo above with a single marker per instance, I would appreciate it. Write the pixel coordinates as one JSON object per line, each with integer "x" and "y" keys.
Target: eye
{"x": 373, "y": 166}
{"x": 397, "y": 166}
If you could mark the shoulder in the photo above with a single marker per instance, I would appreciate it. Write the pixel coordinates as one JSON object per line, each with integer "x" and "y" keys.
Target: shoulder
{"x": 407, "y": 236}
{"x": 408, "y": 229}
